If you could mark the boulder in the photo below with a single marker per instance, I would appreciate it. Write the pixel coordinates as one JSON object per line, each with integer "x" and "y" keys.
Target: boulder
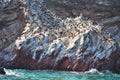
{"x": 2, "y": 71}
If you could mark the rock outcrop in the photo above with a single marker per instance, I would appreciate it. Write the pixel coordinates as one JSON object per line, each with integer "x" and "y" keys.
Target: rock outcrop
{"x": 2, "y": 71}
{"x": 45, "y": 41}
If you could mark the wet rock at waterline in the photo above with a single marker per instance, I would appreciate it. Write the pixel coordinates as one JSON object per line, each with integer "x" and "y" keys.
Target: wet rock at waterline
{"x": 2, "y": 71}
{"x": 45, "y": 41}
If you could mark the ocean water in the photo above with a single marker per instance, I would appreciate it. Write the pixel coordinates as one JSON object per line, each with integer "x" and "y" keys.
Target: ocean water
{"x": 19, "y": 74}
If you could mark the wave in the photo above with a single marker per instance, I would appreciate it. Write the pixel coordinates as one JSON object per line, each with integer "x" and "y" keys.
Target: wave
{"x": 13, "y": 73}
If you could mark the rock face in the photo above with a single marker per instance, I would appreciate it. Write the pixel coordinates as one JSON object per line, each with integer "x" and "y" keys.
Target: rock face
{"x": 104, "y": 12}
{"x": 45, "y": 41}
{"x": 95, "y": 9}
{"x": 12, "y": 22}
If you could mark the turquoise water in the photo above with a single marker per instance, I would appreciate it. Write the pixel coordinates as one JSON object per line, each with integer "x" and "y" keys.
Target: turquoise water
{"x": 54, "y": 75}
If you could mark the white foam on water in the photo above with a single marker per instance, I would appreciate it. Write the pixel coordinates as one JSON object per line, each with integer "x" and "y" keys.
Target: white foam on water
{"x": 13, "y": 73}
{"x": 93, "y": 71}
{"x": 74, "y": 72}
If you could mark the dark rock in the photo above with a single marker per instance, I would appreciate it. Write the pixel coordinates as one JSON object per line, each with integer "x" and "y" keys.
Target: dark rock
{"x": 2, "y": 71}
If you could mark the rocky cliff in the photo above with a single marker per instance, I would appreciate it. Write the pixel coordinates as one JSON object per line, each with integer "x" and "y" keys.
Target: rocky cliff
{"x": 33, "y": 37}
